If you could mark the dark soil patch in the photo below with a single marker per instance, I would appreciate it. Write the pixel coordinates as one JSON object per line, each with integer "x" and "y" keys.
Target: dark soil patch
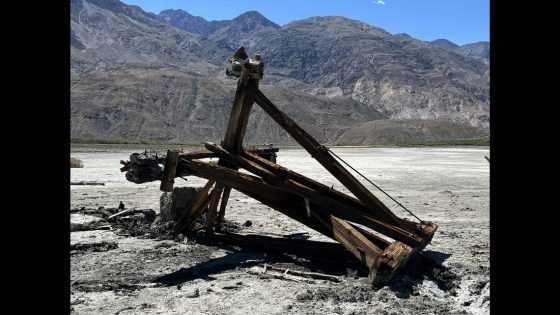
{"x": 108, "y": 285}
{"x": 82, "y": 248}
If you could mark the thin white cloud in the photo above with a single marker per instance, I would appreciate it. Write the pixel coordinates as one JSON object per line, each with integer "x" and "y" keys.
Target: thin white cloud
{"x": 379, "y": 2}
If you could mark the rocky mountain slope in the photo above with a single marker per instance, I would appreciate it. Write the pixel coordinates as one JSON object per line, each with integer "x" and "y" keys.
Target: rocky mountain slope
{"x": 145, "y": 76}
{"x": 480, "y": 50}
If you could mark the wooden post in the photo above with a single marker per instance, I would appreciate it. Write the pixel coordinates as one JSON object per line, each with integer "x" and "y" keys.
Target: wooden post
{"x": 235, "y": 132}
{"x": 169, "y": 169}
{"x": 223, "y": 204}
{"x": 211, "y": 214}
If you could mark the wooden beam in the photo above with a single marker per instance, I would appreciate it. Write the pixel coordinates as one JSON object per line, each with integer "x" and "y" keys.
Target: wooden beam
{"x": 237, "y": 125}
{"x": 334, "y": 205}
{"x": 199, "y": 203}
{"x": 378, "y": 241}
{"x": 203, "y": 153}
{"x": 240, "y": 110}
{"x": 355, "y": 242}
{"x": 394, "y": 257}
{"x": 223, "y": 205}
{"x": 255, "y": 185}
{"x": 322, "y": 156}
{"x": 426, "y": 231}
{"x": 169, "y": 169}
{"x": 284, "y": 172}
{"x": 212, "y": 208}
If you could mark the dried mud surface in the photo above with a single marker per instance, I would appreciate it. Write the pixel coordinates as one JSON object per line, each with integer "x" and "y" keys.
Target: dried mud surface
{"x": 133, "y": 266}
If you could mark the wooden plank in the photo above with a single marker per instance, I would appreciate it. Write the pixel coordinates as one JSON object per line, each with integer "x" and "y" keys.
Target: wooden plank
{"x": 204, "y": 153}
{"x": 355, "y": 242}
{"x": 223, "y": 205}
{"x": 169, "y": 170}
{"x": 294, "y": 209}
{"x": 305, "y": 274}
{"x": 318, "y": 152}
{"x": 256, "y": 186}
{"x": 212, "y": 208}
{"x": 423, "y": 230}
{"x": 282, "y": 171}
{"x": 240, "y": 110}
{"x": 199, "y": 203}
{"x": 394, "y": 257}
{"x": 378, "y": 241}
{"x": 237, "y": 124}
{"x": 334, "y": 206}
{"x": 87, "y": 183}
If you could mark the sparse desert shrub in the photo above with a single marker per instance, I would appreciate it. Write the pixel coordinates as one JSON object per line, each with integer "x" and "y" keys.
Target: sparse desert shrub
{"x": 76, "y": 163}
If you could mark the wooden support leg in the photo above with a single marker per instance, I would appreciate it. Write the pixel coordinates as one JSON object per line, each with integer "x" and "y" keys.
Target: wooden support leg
{"x": 212, "y": 208}
{"x": 237, "y": 125}
{"x": 169, "y": 170}
{"x": 223, "y": 205}
{"x": 198, "y": 204}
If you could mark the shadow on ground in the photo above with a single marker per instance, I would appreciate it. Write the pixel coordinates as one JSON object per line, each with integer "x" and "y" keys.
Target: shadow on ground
{"x": 425, "y": 266}
{"x": 242, "y": 258}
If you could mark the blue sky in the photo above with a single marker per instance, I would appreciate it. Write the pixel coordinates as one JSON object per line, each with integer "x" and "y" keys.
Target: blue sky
{"x": 461, "y": 21}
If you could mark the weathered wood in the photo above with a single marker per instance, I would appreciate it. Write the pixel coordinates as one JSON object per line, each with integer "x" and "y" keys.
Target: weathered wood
{"x": 355, "y": 242}
{"x": 394, "y": 257}
{"x": 204, "y": 153}
{"x": 338, "y": 208}
{"x": 324, "y": 189}
{"x": 305, "y": 274}
{"x": 375, "y": 239}
{"x": 212, "y": 208}
{"x": 322, "y": 156}
{"x": 240, "y": 110}
{"x": 234, "y": 179}
{"x": 293, "y": 208}
{"x": 118, "y": 214}
{"x": 223, "y": 205}
{"x": 424, "y": 230}
{"x": 420, "y": 229}
{"x": 199, "y": 203}
{"x": 169, "y": 170}
{"x": 87, "y": 183}
{"x": 237, "y": 124}
{"x": 256, "y": 270}
{"x": 255, "y": 186}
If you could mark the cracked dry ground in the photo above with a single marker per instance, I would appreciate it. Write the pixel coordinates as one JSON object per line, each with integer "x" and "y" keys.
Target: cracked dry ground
{"x": 114, "y": 273}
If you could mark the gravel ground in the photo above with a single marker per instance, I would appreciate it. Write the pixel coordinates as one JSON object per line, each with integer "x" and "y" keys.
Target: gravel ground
{"x": 112, "y": 273}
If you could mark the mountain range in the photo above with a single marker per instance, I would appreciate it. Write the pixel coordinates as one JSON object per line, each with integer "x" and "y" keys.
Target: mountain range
{"x": 141, "y": 75}
{"x": 480, "y": 50}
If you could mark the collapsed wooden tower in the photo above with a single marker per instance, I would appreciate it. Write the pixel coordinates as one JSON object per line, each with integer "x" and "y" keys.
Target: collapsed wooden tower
{"x": 348, "y": 220}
